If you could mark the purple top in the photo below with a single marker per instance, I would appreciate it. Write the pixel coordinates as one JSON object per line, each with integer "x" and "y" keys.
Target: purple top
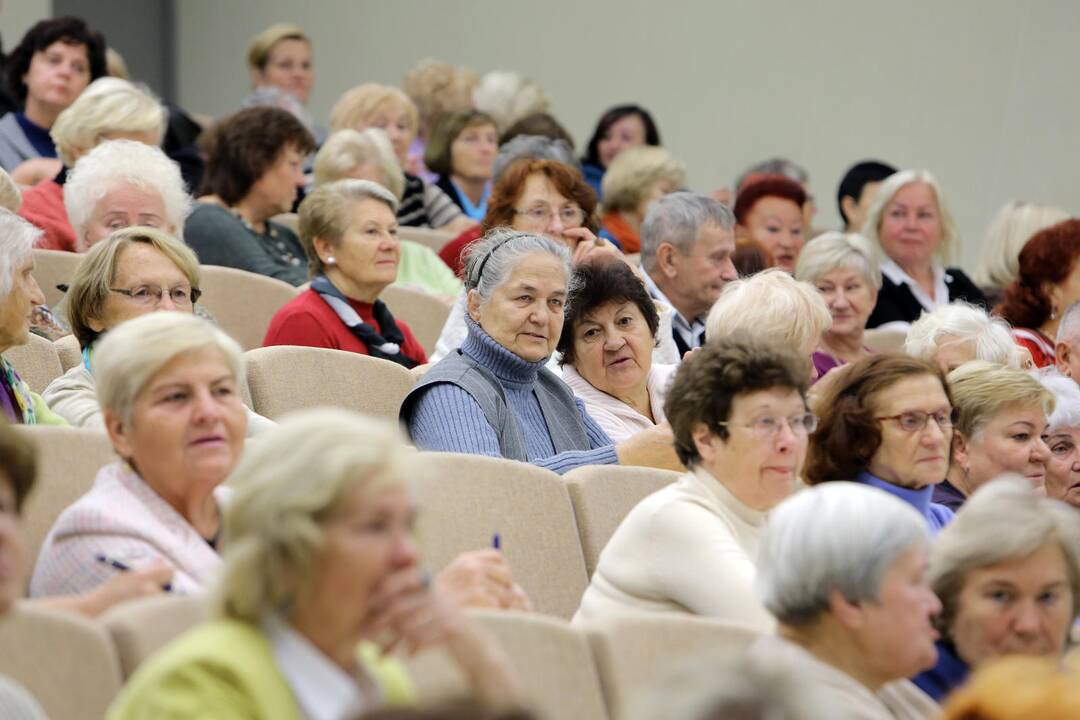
{"x": 824, "y": 362}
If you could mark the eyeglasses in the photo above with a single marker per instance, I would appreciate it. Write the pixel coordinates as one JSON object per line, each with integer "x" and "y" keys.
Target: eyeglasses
{"x": 769, "y": 427}
{"x": 542, "y": 214}
{"x": 915, "y": 420}
{"x": 148, "y": 295}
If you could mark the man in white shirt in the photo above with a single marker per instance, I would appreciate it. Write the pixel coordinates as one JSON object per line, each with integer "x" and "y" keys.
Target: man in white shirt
{"x": 687, "y": 250}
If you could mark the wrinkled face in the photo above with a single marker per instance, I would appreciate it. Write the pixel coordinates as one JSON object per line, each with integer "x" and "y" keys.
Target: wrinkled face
{"x": 16, "y": 307}
{"x": 472, "y": 154}
{"x": 57, "y": 75}
{"x": 393, "y": 118}
{"x": 139, "y": 266}
{"x": 525, "y": 313}
{"x": 126, "y": 205}
{"x": 290, "y": 68}
{"x": 910, "y": 230}
{"x": 1011, "y": 441}
{"x": 277, "y": 187}
{"x": 702, "y": 273}
{"x": 1063, "y": 465}
{"x": 897, "y": 633}
{"x": 187, "y": 425}
{"x": 542, "y": 209}
{"x": 613, "y": 347}
{"x": 369, "y": 252}
{"x": 626, "y": 132}
{"x": 1020, "y": 606}
{"x": 366, "y": 538}
{"x": 11, "y": 547}
{"x": 953, "y": 351}
{"x": 759, "y": 467}
{"x": 850, "y": 299}
{"x": 777, "y": 224}
{"x": 912, "y": 458}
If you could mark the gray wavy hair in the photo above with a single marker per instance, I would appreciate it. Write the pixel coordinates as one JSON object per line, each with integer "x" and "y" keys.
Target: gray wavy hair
{"x": 493, "y": 257}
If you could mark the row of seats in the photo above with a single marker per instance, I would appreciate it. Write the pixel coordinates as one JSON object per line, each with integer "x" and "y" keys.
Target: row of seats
{"x": 564, "y": 674}
{"x": 551, "y": 528}
{"x": 243, "y": 303}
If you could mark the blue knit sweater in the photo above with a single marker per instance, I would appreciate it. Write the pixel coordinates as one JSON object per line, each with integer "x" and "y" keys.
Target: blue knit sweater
{"x": 448, "y": 419}
{"x": 937, "y": 516}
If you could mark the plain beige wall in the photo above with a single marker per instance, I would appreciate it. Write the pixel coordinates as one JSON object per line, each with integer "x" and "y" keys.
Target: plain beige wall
{"x": 981, "y": 92}
{"x": 17, "y": 16}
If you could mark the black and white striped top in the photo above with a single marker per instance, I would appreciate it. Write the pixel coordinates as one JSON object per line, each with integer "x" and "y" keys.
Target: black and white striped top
{"x": 425, "y": 205}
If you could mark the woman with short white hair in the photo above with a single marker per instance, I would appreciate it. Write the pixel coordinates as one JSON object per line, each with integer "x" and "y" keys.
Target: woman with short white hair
{"x": 844, "y": 269}
{"x": 1063, "y": 439}
{"x": 773, "y": 306}
{"x": 842, "y": 569}
{"x": 121, "y": 183}
{"x": 954, "y": 334}
{"x": 1009, "y": 231}
{"x": 1007, "y": 572}
{"x": 508, "y": 97}
{"x": 911, "y": 228}
{"x": 634, "y": 180}
{"x": 109, "y": 109}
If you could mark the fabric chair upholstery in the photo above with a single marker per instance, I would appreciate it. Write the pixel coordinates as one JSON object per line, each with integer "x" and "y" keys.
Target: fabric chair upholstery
{"x": 67, "y": 348}
{"x": 140, "y": 628}
{"x": 243, "y": 303}
{"x": 425, "y": 314}
{"x": 434, "y": 239}
{"x": 52, "y": 268}
{"x": 37, "y": 362}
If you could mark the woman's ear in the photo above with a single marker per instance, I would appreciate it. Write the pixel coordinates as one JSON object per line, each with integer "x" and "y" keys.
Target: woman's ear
{"x": 118, "y": 434}
{"x": 473, "y": 306}
{"x": 961, "y": 451}
{"x": 323, "y": 249}
{"x": 705, "y": 441}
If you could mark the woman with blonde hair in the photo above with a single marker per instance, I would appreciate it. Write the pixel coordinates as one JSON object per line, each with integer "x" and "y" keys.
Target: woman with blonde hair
{"x": 437, "y": 88}
{"x": 636, "y": 178}
{"x": 109, "y": 109}
{"x": 1011, "y": 228}
{"x": 280, "y": 60}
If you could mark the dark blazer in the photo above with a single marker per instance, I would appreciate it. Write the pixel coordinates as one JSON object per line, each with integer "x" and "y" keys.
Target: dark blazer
{"x": 895, "y": 303}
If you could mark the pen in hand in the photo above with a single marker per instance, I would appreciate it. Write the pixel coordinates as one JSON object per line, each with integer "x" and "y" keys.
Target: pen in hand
{"x": 496, "y": 541}
{"x": 123, "y": 567}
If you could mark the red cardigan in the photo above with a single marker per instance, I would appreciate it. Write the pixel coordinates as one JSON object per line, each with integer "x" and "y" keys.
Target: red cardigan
{"x": 43, "y": 206}
{"x": 308, "y": 320}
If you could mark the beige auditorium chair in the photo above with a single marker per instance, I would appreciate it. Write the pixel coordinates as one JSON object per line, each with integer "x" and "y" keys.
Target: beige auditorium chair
{"x": 424, "y": 313}
{"x": 884, "y": 340}
{"x": 466, "y": 499}
{"x": 52, "y": 268}
{"x": 243, "y": 303}
{"x": 634, "y": 649}
{"x": 140, "y": 628}
{"x": 37, "y": 362}
{"x": 434, "y": 239}
{"x": 283, "y": 378}
{"x": 68, "y": 461}
{"x": 552, "y": 663}
{"x": 66, "y": 661}
{"x": 603, "y": 495}
{"x": 67, "y": 348}
{"x": 289, "y": 220}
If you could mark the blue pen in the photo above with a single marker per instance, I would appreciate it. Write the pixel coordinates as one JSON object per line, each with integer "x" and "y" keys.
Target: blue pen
{"x": 496, "y": 541}
{"x": 123, "y": 567}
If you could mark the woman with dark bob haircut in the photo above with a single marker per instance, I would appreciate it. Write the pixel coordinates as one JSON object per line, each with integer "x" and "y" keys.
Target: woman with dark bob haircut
{"x": 621, "y": 127}
{"x": 1047, "y": 283}
{"x": 738, "y": 412}
{"x": 887, "y": 422}
{"x": 608, "y": 336}
{"x": 52, "y": 64}
{"x": 461, "y": 149}
{"x": 253, "y": 172}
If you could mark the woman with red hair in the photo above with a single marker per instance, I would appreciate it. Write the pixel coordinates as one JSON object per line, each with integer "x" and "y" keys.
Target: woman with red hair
{"x": 1047, "y": 284}
{"x": 768, "y": 210}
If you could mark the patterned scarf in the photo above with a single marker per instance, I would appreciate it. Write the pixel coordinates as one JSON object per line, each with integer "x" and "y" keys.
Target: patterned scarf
{"x": 386, "y": 346}
{"x": 20, "y": 392}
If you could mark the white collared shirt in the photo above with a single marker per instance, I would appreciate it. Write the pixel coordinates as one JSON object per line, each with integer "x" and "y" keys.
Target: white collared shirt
{"x": 323, "y": 691}
{"x": 691, "y": 332}
{"x": 897, "y": 276}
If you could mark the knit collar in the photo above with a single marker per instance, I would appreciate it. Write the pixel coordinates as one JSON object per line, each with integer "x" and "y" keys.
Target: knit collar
{"x": 509, "y": 368}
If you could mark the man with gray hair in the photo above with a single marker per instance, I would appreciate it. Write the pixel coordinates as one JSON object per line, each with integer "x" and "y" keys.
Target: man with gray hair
{"x": 1067, "y": 343}
{"x": 687, "y": 246}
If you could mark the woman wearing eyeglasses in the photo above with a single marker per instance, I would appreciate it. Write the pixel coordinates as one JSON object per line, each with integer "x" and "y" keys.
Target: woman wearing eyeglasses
{"x": 136, "y": 271}
{"x": 738, "y": 411}
{"x": 887, "y": 422}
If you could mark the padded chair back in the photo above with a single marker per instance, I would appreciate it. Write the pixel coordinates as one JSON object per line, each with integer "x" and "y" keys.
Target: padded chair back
{"x": 67, "y": 348}
{"x": 884, "y": 340}
{"x": 68, "y": 461}
{"x": 425, "y": 314}
{"x": 434, "y": 239}
{"x": 466, "y": 499}
{"x": 602, "y": 497}
{"x": 243, "y": 303}
{"x": 66, "y": 661}
{"x": 289, "y": 220}
{"x": 632, "y": 650}
{"x": 286, "y": 377}
{"x": 37, "y": 362}
{"x": 52, "y": 268}
{"x": 140, "y": 628}
{"x": 552, "y": 663}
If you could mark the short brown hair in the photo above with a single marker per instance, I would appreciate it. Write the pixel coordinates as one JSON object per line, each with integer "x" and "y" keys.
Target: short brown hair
{"x": 438, "y": 156}
{"x": 18, "y": 463}
{"x": 847, "y": 435}
{"x": 567, "y": 180}
{"x": 706, "y": 385}
{"x": 244, "y": 145}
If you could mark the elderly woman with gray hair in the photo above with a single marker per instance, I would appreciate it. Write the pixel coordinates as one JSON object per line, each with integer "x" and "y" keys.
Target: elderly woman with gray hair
{"x": 1007, "y": 571}
{"x": 1063, "y": 439}
{"x": 842, "y": 568}
{"x": 493, "y": 396}
{"x": 321, "y": 581}
{"x": 954, "y": 334}
{"x": 843, "y": 268}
